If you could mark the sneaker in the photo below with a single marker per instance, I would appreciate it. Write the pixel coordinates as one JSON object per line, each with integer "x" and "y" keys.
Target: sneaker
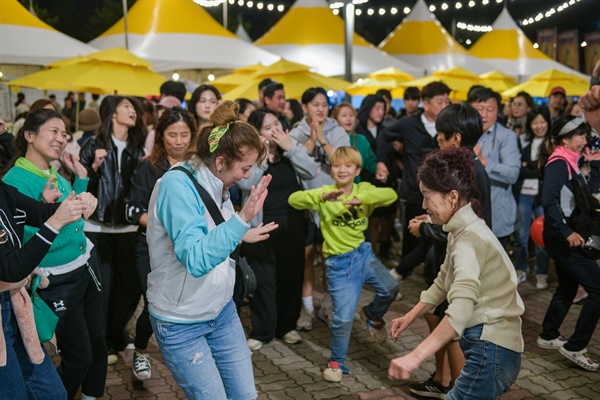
{"x": 395, "y": 274}
{"x": 305, "y": 322}
{"x": 551, "y": 344}
{"x": 129, "y": 341}
{"x": 333, "y": 372}
{"x": 521, "y": 276}
{"x": 581, "y": 358}
{"x": 292, "y": 337}
{"x": 376, "y": 330}
{"x": 581, "y": 295}
{"x": 141, "y": 366}
{"x": 325, "y": 315}
{"x": 430, "y": 389}
{"x": 112, "y": 356}
{"x": 541, "y": 282}
{"x": 254, "y": 344}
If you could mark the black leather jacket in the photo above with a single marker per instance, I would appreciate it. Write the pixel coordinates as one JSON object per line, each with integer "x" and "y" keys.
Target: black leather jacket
{"x": 108, "y": 185}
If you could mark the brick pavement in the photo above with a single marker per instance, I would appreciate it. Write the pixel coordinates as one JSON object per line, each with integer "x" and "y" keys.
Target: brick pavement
{"x": 294, "y": 372}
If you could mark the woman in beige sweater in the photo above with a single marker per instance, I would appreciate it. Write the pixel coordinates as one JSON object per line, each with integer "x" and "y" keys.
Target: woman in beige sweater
{"x": 477, "y": 278}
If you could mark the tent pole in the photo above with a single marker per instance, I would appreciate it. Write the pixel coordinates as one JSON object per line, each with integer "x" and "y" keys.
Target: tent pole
{"x": 348, "y": 40}
{"x": 225, "y": 22}
{"x": 125, "y": 24}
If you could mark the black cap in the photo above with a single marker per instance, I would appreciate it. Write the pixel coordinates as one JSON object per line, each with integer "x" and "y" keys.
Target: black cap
{"x": 265, "y": 82}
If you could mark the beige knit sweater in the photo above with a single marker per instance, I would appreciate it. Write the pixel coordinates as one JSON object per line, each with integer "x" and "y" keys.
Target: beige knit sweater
{"x": 480, "y": 282}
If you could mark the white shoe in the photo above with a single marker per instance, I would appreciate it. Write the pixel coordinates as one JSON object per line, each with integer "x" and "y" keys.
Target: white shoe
{"x": 581, "y": 358}
{"x": 521, "y": 276}
{"x": 305, "y": 322}
{"x": 333, "y": 372}
{"x": 377, "y": 331}
{"x": 292, "y": 337}
{"x": 141, "y": 366}
{"x": 395, "y": 275}
{"x": 541, "y": 281}
{"x": 254, "y": 344}
{"x": 556, "y": 343}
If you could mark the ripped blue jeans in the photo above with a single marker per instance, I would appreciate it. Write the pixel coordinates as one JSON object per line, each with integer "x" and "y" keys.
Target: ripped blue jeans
{"x": 209, "y": 360}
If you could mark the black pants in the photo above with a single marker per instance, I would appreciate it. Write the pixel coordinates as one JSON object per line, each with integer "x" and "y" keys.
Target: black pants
{"x": 116, "y": 258}
{"x": 278, "y": 264}
{"x": 410, "y": 242}
{"x": 143, "y": 328}
{"x": 76, "y": 297}
{"x": 573, "y": 268}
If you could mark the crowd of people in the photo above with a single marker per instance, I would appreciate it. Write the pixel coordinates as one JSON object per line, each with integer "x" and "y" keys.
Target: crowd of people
{"x": 128, "y": 200}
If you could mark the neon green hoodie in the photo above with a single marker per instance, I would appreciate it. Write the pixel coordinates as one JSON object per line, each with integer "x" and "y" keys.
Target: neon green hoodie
{"x": 343, "y": 226}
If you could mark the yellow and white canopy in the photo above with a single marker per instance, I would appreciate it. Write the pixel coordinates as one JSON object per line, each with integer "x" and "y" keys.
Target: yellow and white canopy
{"x": 179, "y": 34}
{"x": 25, "y": 39}
{"x": 310, "y": 34}
{"x": 423, "y": 42}
{"x": 510, "y": 51}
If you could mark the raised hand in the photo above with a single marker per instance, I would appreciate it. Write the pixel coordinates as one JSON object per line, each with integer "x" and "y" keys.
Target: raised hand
{"x": 256, "y": 200}
{"x": 282, "y": 139}
{"x": 70, "y": 210}
{"x": 90, "y": 202}
{"x": 50, "y": 193}
{"x": 71, "y": 162}
{"x": 353, "y": 202}
{"x": 99, "y": 156}
{"x": 260, "y": 233}
{"x": 332, "y": 196}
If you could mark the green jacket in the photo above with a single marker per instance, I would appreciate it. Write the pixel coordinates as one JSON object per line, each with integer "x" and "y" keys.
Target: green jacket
{"x": 30, "y": 181}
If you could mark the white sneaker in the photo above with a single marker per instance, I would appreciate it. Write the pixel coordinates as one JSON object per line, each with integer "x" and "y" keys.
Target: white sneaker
{"x": 333, "y": 372}
{"x": 305, "y": 322}
{"x": 141, "y": 366}
{"x": 552, "y": 343}
{"x": 581, "y": 358}
{"x": 292, "y": 337}
{"x": 377, "y": 331}
{"x": 541, "y": 282}
{"x": 521, "y": 276}
{"x": 395, "y": 275}
{"x": 254, "y": 344}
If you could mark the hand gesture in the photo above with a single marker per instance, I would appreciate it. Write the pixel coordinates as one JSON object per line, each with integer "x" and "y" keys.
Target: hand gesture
{"x": 400, "y": 368}
{"x": 381, "y": 173}
{"x": 398, "y": 326}
{"x": 316, "y": 132}
{"x": 99, "y": 156}
{"x": 590, "y": 155}
{"x": 256, "y": 200}
{"x": 70, "y": 210}
{"x": 260, "y": 233}
{"x": 71, "y": 162}
{"x": 50, "y": 192}
{"x": 575, "y": 240}
{"x": 89, "y": 201}
{"x": 282, "y": 139}
{"x": 590, "y": 104}
{"x": 353, "y": 202}
{"x": 332, "y": 196}
{"x": 413, "y": 227}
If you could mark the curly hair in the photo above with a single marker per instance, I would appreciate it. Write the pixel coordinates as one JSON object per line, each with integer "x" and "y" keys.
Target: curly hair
{"x": 169, "y": 117}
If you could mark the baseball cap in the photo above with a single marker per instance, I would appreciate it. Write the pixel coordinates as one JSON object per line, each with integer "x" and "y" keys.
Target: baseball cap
{"x": 558, "y": 90}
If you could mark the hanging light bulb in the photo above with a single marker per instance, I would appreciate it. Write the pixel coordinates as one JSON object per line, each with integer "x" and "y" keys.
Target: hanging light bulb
{"x": 175, "y": 76}
{"x": 211, "y": 77}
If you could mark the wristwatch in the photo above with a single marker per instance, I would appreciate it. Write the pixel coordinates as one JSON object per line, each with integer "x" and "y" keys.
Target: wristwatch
{"x": 324, "y": 144}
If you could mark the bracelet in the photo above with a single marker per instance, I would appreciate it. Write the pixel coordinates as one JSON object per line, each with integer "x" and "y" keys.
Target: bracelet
{"x": 325, "y": 144}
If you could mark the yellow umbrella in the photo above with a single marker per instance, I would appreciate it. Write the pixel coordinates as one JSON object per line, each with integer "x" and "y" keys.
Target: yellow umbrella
{"x": 296, "y": 78}
{"x": 229, "y": 82}
{"x": 540, "y": 84}
{"x": 458, "y": 79}
{"x": 497, "y": 81}
{"x": 386, "y": 78}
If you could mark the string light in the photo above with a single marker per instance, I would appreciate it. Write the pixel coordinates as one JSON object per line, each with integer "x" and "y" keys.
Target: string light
{"x": 473, "y": 28}
{"x": 548, "y": 13}
{"x": 248, "y": 3}
{"x": 175, "y": 76}
{"x": 211, "y": 77}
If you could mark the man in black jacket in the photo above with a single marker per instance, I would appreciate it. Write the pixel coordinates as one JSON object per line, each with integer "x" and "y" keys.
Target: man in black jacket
{"x": 418, "y": 137}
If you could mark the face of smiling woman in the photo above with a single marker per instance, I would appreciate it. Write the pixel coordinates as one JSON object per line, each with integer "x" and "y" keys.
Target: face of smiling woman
{"x": 439, "y": 206}
{"x": 46, "y": 145}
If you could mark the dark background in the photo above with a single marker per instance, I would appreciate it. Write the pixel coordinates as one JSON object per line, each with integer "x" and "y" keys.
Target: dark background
{"x": 86, "y": 19}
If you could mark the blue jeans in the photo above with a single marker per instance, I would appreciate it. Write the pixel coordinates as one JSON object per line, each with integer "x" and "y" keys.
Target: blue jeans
{"x": 489, "y": 371}
{"x": 527, "y": 208}
{"x": 346, "y": 275}
{"x": 20, "y": 379}
{"x": 209, "y": 360}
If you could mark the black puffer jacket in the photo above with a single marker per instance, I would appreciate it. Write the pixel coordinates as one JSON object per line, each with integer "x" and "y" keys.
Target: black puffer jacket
{"x": 108, "y": 185}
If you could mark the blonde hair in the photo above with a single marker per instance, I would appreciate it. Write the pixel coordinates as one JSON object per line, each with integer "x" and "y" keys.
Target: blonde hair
{"x": 345, "y": 154}
{"x": 337, "y": 109}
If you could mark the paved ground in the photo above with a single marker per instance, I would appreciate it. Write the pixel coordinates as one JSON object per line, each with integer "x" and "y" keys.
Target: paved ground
{"x": 294, "y": 372}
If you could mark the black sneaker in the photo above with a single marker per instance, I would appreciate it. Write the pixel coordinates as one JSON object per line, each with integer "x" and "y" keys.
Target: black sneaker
{"x": 430, "y": 389}
{"x": 129, "y": 340}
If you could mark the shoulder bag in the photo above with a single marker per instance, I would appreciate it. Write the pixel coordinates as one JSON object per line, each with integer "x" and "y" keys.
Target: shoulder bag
{"x": 45, "y": 319}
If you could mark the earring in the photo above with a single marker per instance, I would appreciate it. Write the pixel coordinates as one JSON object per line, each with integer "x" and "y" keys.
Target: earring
{"x": 219, "y": 171}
